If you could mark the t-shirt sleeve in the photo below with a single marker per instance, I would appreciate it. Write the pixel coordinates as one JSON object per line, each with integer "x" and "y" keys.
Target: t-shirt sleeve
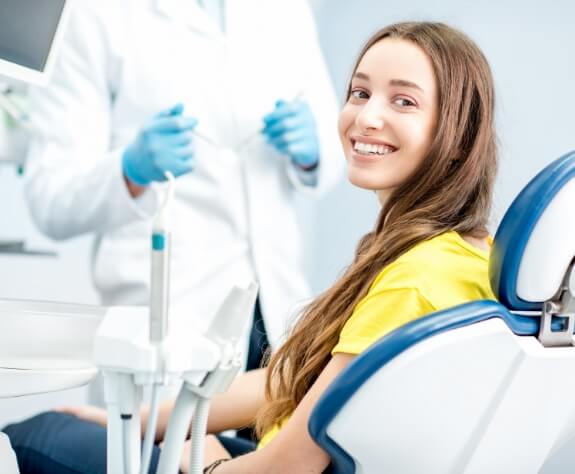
{"x": 381, "y": 311}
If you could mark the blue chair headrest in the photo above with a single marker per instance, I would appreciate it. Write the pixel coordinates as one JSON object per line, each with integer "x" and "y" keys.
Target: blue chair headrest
{"x": 535, "y": 242}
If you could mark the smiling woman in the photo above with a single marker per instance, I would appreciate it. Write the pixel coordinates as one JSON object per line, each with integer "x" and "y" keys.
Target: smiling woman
{"x": 417, "y": 128}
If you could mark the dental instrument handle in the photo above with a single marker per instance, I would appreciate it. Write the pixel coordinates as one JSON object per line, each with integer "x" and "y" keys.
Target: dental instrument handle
{"x": 160, "y": 268}
{"x": 159, "y": 286}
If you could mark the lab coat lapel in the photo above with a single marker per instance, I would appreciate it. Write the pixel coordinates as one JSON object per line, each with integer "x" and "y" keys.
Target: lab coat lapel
{"x": 189, "y": 14}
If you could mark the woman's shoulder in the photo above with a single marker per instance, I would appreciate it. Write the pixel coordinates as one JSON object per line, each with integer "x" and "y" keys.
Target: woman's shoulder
{"x": 436, "y": 259}
{"x": 447, "y": 248}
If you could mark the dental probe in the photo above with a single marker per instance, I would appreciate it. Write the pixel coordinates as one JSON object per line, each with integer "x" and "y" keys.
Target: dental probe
{"x": 246, "y": 140}
{"x": 249, "y": 138}
{"x": 205, "y": 138}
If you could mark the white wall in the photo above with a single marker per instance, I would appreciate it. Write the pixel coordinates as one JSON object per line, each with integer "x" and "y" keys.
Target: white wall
{"x": 531, "y": 48}
{"x": 63, "y": 277}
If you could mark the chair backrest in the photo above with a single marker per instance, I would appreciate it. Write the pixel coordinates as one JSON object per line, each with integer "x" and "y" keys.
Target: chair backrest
{"x": 469, "y": 389}
{"x": 533, "y": 247}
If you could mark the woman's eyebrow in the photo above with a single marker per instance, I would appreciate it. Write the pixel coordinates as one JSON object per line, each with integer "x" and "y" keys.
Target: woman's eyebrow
{"x": 361, "y": 75}
{"x": 392, "y": 82}
{"x": 404, "y": 83}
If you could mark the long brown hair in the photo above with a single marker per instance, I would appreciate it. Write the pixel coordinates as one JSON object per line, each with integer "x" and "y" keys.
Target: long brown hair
{"x": 451, "y": 190}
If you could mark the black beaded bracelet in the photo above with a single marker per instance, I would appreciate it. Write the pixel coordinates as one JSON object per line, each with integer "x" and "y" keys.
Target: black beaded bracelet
{"x": 209, "y": 469}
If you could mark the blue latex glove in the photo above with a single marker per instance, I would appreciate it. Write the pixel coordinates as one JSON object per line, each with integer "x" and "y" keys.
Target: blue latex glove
{"x": 163, "y": 145}
{"x": 291, "y": 130}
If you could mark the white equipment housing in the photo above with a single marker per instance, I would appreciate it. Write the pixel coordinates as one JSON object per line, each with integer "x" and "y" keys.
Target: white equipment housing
{"x": 46, "y": 346}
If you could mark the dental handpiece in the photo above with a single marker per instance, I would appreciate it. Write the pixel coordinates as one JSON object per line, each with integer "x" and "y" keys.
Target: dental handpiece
{"x": 160, "y": 269}
{"x": 161, "y": 243}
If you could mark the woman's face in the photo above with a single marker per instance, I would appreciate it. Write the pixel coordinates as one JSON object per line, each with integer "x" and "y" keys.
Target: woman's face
{"x": 387, "y": 125}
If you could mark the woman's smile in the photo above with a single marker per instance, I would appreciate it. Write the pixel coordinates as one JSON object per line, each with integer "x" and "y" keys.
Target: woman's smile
{"x": 368, "y": 149}
{"x": 368, "y": 145}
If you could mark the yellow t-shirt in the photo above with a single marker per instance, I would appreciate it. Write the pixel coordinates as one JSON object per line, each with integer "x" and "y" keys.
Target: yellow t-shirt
{"x": 433, "y": 275}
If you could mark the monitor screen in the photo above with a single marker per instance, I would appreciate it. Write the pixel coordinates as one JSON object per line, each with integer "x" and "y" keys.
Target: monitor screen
{"x": 27, "y": 30}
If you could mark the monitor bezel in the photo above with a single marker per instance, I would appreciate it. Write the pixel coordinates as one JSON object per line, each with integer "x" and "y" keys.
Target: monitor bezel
{"x": 33, "y": 76}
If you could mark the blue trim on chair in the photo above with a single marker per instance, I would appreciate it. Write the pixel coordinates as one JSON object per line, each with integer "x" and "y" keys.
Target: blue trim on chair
{"x": 516, "y": 228}
{"x": 389, "y": 347}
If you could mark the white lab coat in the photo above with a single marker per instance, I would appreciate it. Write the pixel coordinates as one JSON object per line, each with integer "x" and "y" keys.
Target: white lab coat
{"x": 233, "y": 218}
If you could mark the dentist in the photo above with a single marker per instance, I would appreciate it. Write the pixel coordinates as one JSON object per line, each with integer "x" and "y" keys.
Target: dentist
{"x": 234, "y": 98}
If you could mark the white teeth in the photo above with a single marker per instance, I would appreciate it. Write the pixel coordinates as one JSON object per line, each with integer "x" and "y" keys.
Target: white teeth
{"x": 372, "y": 149}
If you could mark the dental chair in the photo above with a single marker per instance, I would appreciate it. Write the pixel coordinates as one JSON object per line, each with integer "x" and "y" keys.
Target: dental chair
{"x": 483, "y": 387}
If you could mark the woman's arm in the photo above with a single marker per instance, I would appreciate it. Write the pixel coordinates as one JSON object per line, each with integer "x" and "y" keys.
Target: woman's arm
{"x": 233, "y": 409}
{"x": 237, "y": 407}
{"x": 293, "y": 449}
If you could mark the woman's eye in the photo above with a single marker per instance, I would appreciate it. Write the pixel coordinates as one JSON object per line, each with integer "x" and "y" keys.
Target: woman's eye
{"x": 359, "y": 94}
{"x": 404, "y": 102}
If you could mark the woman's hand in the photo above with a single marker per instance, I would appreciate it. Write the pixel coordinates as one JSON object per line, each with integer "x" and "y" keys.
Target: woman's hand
{"x": 88, "y": 413}
{"x": 213, "y": 450}
{"x": 99, "y": 416}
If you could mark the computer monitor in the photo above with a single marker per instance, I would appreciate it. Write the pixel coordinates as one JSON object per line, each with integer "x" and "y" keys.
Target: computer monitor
{"x": 30, "y": 31}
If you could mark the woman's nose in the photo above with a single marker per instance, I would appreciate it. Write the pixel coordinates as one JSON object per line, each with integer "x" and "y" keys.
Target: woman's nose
{"x": 371, "y": 116}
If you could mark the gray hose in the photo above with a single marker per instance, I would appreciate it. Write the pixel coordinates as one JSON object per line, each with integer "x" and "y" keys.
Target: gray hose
{"x": 198, "y": 436}
{"x": 150, "y": 430}
{"x": 178, "y": 426}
